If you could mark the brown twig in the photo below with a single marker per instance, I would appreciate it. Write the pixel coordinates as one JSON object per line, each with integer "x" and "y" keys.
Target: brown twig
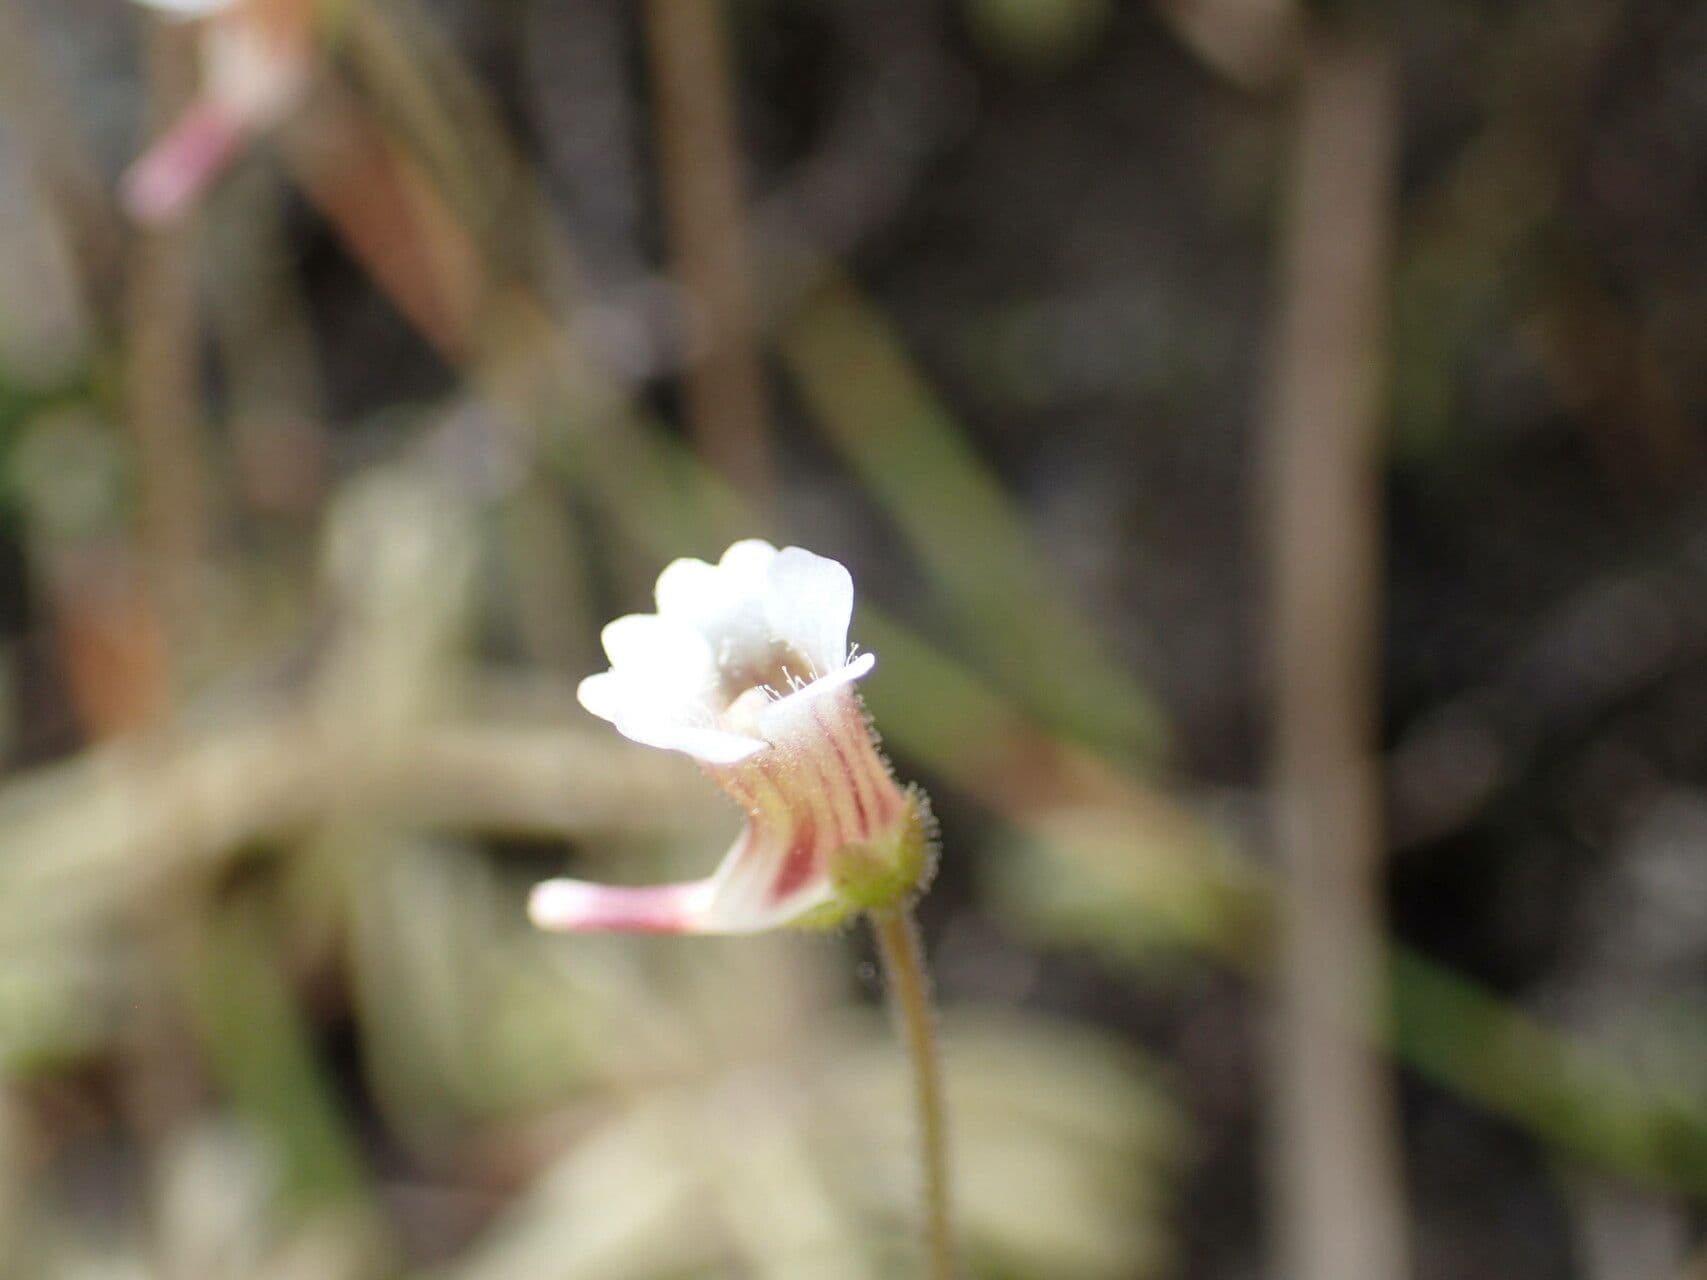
{"x": 390, "y": 217}
{"x": 162, "y": 396}
{"x": 35, "y": 104}
{"x": 697, "y": 154}
{"x": 280, "y": 443}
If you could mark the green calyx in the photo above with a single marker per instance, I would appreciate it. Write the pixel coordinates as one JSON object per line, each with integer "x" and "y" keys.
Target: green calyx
{"x": 882, "y": 874}
{"x": 876, "y": 875}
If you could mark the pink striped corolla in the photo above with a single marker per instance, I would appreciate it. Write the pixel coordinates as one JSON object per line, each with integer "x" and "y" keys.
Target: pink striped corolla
{"x": 256, "y": 61}
{"x": 746, "y": 668}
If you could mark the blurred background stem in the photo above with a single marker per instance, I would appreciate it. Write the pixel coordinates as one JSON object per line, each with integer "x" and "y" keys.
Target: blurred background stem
{"x": 1336, "y": 1183}
{"x": 695, "y": 119}
{"x": 162, "y": 377}
{"x": 34, "y": 103}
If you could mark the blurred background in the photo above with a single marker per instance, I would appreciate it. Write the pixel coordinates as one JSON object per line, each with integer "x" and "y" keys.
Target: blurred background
{"x": 1266, "y": 439}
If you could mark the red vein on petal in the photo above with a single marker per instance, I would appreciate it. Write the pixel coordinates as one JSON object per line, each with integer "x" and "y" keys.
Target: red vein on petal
{"x": 799, "y": 864}
{"x": 886, "y": 797}
{"x": 848, "y": 770}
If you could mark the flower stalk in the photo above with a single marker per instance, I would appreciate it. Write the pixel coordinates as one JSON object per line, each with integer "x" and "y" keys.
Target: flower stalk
{"x": 908, "y": 983}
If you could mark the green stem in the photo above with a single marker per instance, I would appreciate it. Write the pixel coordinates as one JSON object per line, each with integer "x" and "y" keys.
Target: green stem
{"x": 910, "y": 998}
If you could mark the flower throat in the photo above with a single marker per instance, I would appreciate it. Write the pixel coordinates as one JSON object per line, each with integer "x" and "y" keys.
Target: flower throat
{"x": 778, "y": 668}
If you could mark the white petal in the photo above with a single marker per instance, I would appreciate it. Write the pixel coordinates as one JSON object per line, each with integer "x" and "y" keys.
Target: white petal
{"x": 602, "y": 694}
{"x": 745, "y": 563}
{"x": 658, "y": 649}
{"x": 782, "y": 718}
{"x": 724, "y": 603}
{"x": 713, "y": 746}
{"x": 689, "y": 590}
{"x": 630, "y": 697}
{"x": 808, "y": 602}
{"x": 640, "y": 714}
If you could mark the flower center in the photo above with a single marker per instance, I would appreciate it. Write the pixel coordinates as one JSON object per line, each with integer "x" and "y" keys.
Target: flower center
{"x": 777, "y": 667}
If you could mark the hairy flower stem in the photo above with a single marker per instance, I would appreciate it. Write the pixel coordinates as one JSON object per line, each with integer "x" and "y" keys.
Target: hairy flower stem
{"x": 909, "y": 987}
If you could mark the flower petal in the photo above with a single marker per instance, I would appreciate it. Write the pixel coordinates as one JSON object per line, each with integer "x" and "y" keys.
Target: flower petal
{"x": 808, "y": 603}
{"x": 745, "y": 564}
{"x": 712, "y": 746}
{"x": 781, "y": 718}
{"x": 689, "y": 590}
{"x": 724, "y": 603}
{"x": 642, "y": 716}
{"x": 659, "y": 650}
{"x": 602, "y": 694}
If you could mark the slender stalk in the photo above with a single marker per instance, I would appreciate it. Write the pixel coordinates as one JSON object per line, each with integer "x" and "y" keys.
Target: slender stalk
{"x": 910, "y": 998}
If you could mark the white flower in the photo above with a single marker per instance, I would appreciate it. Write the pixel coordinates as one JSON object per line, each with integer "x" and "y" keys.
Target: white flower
{"x": 746, "y": 668}
{"x": 255, "y": 62}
